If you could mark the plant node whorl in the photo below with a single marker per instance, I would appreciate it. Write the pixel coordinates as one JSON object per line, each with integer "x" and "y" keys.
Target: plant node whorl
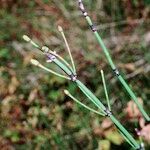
{"x": 108, "y": 112}
{"x": 116, "y": 72}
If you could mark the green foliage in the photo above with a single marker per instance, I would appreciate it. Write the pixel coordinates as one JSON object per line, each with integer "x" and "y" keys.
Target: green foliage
{"x": 63, "y": 121}
{"x": 147, "y": 2}
{"x": 13, "y": 135}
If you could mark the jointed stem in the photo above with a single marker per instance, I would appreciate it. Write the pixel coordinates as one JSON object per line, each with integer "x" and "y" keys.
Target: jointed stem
{"x": 71, "y": 76}
{"x": 106, "y": 52}
{"x": 96, "y": 101}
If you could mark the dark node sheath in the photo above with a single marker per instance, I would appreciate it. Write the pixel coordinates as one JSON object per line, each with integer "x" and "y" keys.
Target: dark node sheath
{"x": 73, "y": 77}
{"x": 93, "y": 28}
{"x": 108, "y": 112}
{"x": 116, "y": 72}
{"x": 51, "y": 57}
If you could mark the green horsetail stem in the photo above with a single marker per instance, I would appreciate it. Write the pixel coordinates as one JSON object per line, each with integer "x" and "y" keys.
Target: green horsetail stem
{"x": 60, "y": 29}
{"x": 110, "y": 61}
{"x": 105, "y": 90}
{"x": 93, "y": 99}
{"x": 80, "y": 103}
{"x": 98, "y": 103}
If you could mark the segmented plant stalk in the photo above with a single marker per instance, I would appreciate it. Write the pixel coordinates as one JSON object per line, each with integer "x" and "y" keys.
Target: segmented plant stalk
{"x": 103, "y": 110}
{"x": 98, "y": 103}
{"x": 110, "y": 61}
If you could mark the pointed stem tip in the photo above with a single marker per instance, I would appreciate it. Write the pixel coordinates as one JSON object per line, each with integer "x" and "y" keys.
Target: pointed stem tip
{"x": 26, "y": 38}
{"x": 66, "y": 92}
{"x": 45, "y": 49}
{"x": 34, "y": 62}
{"x": 60, "y": 29}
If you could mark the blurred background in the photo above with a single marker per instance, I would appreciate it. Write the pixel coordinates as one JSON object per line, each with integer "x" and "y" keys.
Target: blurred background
{"x": 34, "y": 112}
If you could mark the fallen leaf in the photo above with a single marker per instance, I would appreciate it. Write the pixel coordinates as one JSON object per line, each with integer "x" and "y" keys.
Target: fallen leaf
{"x": 145, "y": 133}
{"x": 98, "y": 131}
{"x": 13, "y": 85}
{"x": 132, "y": 110}
{"x": 104, "y": 145}
{"x": 106, "y": 123}
{"x": 3, "y": 89}
{"x": 32, "y": 95}
{"x": 142, "y": 122}
{"x": 114, "y": 137}
{"x": 27, "y": 58}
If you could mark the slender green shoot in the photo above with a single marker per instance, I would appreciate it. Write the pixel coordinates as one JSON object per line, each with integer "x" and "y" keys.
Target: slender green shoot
{"x": 110, "y": 61}
{"x": 80, "y": 103}
{"x": 27, "y": 39}
{"x": 72, "y": 77}
{"x": 105, "y": 89}
{"x": 37, "y": 63}
{"x": 60, "y": 29}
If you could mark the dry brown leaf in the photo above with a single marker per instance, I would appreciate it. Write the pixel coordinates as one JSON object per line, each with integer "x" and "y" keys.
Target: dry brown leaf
{"x": 98, "y": 131}
{"x": 106, "y": 123}
{"x": 132, "y": 110}
{"x": 142, "y": 122}
{"x": 3, "y": 89}
{"x": 15, "y": 112}
{"x": 145, "y": 133}
{"x": 27, "y": 59}
{"x": 13, "y": 85}
{"x": 128, "y": 66}
{"x": 6, "y": 104}
{"x": 32, "y": 95}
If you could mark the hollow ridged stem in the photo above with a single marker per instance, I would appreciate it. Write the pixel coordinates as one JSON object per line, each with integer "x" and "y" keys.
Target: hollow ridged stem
{"x": 98, "y": 103}
{"x": 80, "y": 103}
{"x": 63, "y": 67}
{"x": 92, "y": 98}
{"x": 105, "y": 89}
{"x": 110, "y": 61}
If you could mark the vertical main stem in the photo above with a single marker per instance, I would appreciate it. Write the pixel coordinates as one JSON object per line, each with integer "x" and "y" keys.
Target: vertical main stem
{"x": 128, "y": 89}
{"x": 121, "y": 79}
